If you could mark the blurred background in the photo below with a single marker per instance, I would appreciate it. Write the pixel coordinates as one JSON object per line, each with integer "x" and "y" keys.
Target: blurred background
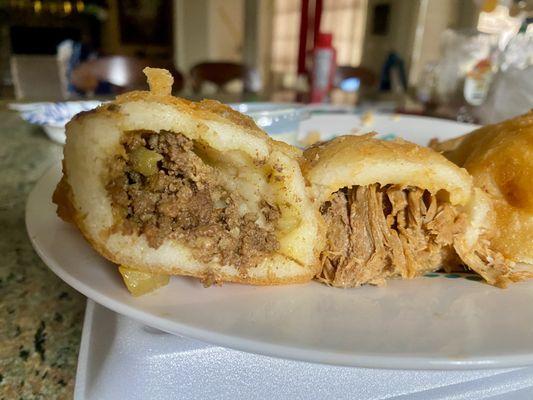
{"x": 450, "y": 58}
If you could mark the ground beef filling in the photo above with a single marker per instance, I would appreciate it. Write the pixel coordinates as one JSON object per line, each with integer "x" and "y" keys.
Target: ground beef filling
{"x": 376, "y": 232}
{"x": 163, "y": 189}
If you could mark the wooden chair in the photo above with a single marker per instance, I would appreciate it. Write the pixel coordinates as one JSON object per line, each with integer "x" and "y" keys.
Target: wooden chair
{"x": 218, "y": 73}
{"x": 366, "y": 77}
{"x": 121, "y": 72}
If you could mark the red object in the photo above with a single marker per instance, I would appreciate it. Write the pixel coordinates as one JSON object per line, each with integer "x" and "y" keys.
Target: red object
{"x": 302, "y": 42}
{"x": 324, "y": 63}
{"x": 324, "y": 40}
{"x": 317, "y": 20}
{"x": 310, "y": 17}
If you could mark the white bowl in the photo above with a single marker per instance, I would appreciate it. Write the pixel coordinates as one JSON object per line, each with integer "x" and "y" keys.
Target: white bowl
{"x": 53, "y": 116}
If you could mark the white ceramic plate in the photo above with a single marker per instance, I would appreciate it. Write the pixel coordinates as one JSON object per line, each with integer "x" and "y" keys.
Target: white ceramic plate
{"x": 435, "y": 322}
{"x": 178, "y": 368}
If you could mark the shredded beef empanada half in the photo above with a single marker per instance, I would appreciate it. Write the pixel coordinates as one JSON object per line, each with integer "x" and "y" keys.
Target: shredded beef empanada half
{"x": 391, "y": 209}
{"x": 500, "y": 159}
{"x": 167, "y": 186}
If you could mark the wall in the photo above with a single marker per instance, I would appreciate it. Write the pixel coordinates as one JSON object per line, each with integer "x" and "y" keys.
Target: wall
{"x": 264, "y": 45}
{"x": 400, "y": 37}
{"x": 207, "y": 30}
{"x": 415, "y": 29}
{"x": 435, "y": 17}
{"x": 225, "y": 29}
{"x": 111, "y": 37}
{"x": 467, "y": 15}
{"x": 191, "y": 39}
{"x": 257, "y": 43}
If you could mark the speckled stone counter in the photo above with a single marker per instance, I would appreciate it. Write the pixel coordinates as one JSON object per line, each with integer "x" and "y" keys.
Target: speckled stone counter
{"x": 41, "y": 317}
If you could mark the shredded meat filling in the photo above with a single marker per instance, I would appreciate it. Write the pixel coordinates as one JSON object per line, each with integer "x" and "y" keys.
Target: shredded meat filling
{"x": 374, "y": 233}
{"x": 176, "y": 195}
{"x": 490, "y": 264}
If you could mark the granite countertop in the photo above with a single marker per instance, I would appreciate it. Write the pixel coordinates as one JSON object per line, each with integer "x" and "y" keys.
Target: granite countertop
{"x": 41, "y": 316}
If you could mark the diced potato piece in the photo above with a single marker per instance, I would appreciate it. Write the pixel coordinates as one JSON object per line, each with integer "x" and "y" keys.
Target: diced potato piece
{"x": 145, "y": 161}
{"x": 139, "y": 283}
{"x": 290, "y": 218}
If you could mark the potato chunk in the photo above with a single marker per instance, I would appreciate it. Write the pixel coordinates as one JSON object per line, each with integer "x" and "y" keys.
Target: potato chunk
{"x": 139, "y": 283}
{"x": 145, "y": 161}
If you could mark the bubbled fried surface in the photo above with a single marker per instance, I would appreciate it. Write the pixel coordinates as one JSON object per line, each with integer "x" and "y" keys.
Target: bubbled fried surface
{"x": 500, "y": 159}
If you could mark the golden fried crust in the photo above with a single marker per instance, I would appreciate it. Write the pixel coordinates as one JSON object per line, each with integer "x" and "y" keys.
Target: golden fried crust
{"x": 61, "y": 198}
{"x": 159, "y": 80}
{"x": 500, "y": 159}
{"x": 206, "y": 109}
{"x": 363, "y": 160}
{"x": 288, "y": 150}
{"x": 93, "y": 137}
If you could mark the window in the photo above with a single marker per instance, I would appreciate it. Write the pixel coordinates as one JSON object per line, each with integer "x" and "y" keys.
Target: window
{"x": 285, "y": 37}
{"x": 346, "y": 20}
